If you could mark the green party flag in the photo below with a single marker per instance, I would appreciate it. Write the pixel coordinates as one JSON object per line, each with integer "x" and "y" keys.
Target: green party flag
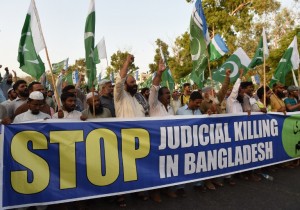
{"x": 57, "y": 67}
{"x": 31, "y": 43}
{"x": 68, "y": 77}
{"x": 166, "y": 78}
{"x": 100, "y": 51}
{"x": 217, "y": 48}
{"x": 261, "y": 51}
{"x": 89, "y": 43}
{"x": 199, "y": 42}
{"x": 288, "y": 62}
{"x": 238, "y": 60}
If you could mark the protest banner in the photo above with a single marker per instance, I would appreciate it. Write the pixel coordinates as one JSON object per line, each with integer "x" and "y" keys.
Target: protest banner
{"x": 61, "y": 161}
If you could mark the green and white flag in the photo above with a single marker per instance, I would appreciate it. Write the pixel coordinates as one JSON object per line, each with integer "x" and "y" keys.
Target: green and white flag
{"x": 89, "y": 43}
{"x": 217, "y": 48}
{"x": 288, "y": 62}
{"x": 166, "y": 78}
{"x": 100, "y": 51}
{"x": 57, "y": 67}
{"x": 199, "y": 41}
{"x": 238, "y": 60}
{"x": 31, "y": 43}
{"x": 261, "y": 51}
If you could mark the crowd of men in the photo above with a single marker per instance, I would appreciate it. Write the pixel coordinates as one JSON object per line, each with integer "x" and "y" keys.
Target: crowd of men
{"x": 22, "y": 102}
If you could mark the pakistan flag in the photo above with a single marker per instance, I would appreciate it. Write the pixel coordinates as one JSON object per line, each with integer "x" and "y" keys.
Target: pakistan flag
{"x": 31, "y": 43}
{"x": 289, "y": 61}
{"x": 89, "y": 43}
{"x": 238, "y": 60}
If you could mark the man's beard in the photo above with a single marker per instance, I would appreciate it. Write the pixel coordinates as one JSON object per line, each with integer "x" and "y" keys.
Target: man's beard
{"x": 24, "y": 94}
{"x": 69, "y": 109}
{"x": 214, "y": 99}
{"x": 240, "y": 98}
{"x": 9, "y": 82}
{"x": 132, "y": 90}
{"x": 280, "y": 95}
{"x": 98, "y": 109}
{"x": 35, "y": 112}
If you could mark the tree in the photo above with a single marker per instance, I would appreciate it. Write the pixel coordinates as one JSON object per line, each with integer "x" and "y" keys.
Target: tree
{"x": 79, "y": 65}
{"x": 181, "y": 62}
{"x": 160, "y": 44}
{"x": 117, "y": 61}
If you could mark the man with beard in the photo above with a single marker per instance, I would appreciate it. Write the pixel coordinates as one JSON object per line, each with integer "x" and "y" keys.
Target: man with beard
{"x": 145, "y": 92}
{"x": 277, "y": 104}
{"x": 68, "y": 108}
{"x": 249, "y": 102}
{"x": 106, "y": 90}
{"x": 20, "y": 87}
{"x": 7, "y": 82}
{"x": 159, "y": 103}
{"x": 292, "y": 102}
{"x": 34, "y": 86}
{"x": 12, "y": 95}
{"x": 159, "y": 98}
{"x": 211, "y": 101}
{"x": 260, "y": 102}
{"x": 128, "y": 103}
{"x": 100, "y": 111}
{"x": 71, "y": 89}
{"x": 35, "y": 102}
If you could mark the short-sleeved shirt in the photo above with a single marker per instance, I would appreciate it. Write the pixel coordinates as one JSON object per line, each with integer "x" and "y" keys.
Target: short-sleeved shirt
{"x": 291, "y": 101}
{"x": 184, "y": 110}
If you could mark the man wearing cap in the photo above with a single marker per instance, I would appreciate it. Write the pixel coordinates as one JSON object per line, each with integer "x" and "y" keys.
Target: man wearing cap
{"x": 7, "y": 82}
{"x": 34, "y": 86}
{"x": 106, "y": 95}
{"x": 211, "y": 100}
{"x": 292, "y": 102}
{"x": 35, "y": 102}
{"x": 100, "y": 111}
{"x": 12, "y": 95}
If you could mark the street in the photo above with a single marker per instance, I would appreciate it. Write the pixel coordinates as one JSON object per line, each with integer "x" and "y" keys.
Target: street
{"x": 282, "y": 193}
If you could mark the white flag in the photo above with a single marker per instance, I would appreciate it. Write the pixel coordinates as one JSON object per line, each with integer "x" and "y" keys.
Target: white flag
{"x": 100, "y": 51}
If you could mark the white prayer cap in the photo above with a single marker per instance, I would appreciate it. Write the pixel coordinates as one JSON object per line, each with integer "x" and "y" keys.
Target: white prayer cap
{"x": 102, "y": 83}
{"x": 90, "y": 95}
{"x": 10, "y": 89}
{"x": 36, "y": 95}
{"x": 206, "y": 89}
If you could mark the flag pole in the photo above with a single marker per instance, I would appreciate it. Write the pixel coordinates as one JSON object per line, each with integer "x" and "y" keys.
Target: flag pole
{"x": 265, "y": 101}
{"x": 208, "y": 63}
{"x": 48, "y": 59}
{"x": 298, "y": 82}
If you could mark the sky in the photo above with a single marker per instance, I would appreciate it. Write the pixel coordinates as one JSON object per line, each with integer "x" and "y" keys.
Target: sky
{"x": 131, "y": 25}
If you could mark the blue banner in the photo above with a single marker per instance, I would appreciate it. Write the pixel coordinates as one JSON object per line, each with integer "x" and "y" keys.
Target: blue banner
{"x": 55, "y": 161}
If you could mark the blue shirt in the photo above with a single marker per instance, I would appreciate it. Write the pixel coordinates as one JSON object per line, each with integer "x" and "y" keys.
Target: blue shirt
{"x": 186, "y": 111}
